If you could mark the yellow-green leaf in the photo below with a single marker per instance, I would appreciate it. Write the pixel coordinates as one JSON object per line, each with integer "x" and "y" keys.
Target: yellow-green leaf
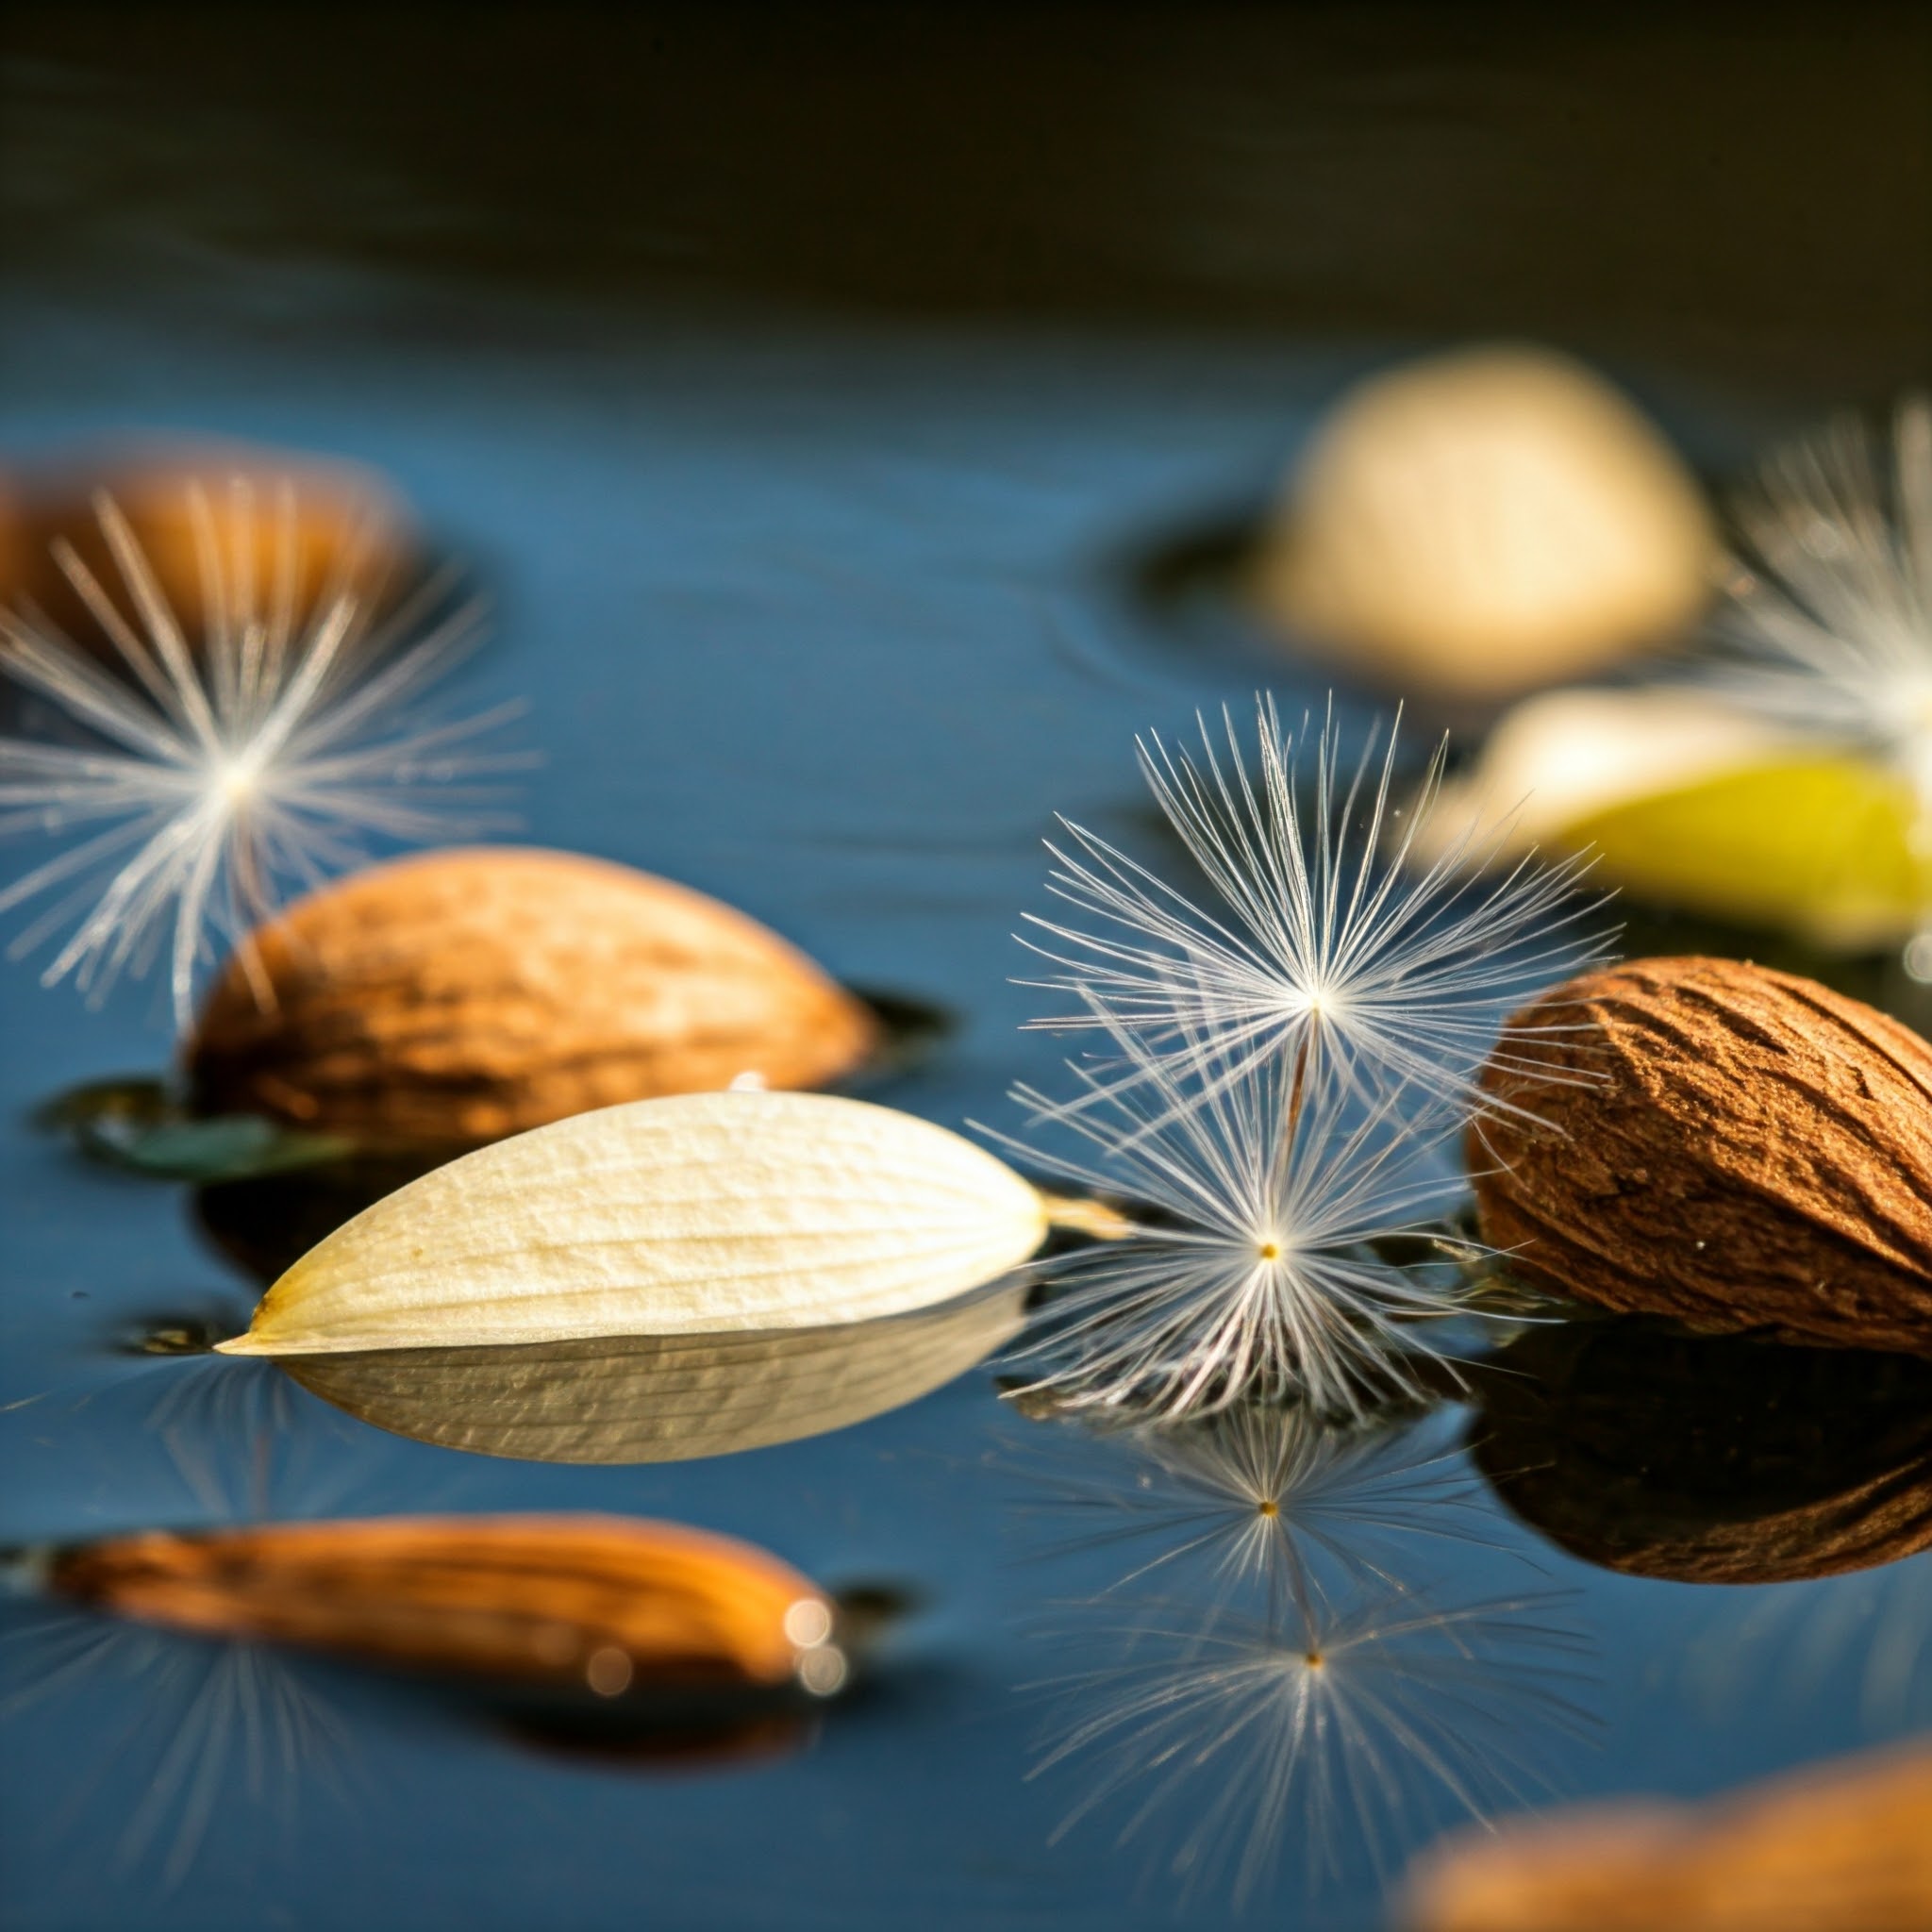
{"x": 1822, "y": 846}
{"x": 696, "y": 1213}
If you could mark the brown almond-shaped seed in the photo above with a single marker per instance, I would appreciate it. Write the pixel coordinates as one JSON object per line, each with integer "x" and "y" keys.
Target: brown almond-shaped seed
{"x": 274, "y": 527}
{"x": 446, "y": 1001}
{"x": 1825, "y": 1849}
{"x": 610, "y": 1601}
{"x": 1737, "y": 1147}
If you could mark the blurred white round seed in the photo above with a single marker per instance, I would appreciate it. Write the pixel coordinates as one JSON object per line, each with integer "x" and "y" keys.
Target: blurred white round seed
{"x": 1483, "y": 523}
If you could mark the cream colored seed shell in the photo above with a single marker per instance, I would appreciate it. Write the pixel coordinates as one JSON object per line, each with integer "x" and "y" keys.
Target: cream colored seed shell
{"x": 692, "y": 1213}
{"x": 1484, "y": 522}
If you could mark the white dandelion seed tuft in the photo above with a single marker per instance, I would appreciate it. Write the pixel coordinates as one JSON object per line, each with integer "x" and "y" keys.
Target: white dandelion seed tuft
{"x": 1830, "y": 610}
{"x": 1378, "y": 1721}
{"x": 1248, "y": 1266}
{"x": 231, "y": 767}
{"x": 1327, "y": 935}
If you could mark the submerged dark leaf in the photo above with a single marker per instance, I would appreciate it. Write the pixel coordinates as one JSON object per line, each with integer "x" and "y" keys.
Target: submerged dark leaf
{"x": 141, "y": 1124}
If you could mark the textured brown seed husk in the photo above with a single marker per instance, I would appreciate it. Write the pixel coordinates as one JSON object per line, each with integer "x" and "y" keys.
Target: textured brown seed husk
{"x": 446, "y": 1001}
{"x": 1709, "y": 1458}
{"x": 1734, "y": 1146}
{"x": 1842, "y": 1847}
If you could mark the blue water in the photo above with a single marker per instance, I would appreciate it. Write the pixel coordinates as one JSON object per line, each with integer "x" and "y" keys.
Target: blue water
{"x": 829, "y": 619}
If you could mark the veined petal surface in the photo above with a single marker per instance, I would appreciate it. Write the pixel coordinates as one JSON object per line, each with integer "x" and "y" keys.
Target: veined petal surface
{"x": 694, "y": 1213}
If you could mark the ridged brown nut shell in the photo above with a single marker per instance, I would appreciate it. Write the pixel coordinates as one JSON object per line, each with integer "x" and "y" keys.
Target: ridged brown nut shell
{"x": 1737, "y": 1147}
{"x": 449, "y": 1000}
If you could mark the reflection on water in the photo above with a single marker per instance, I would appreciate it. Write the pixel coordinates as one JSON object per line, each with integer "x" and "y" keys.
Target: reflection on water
{"x": 1262, "y": 1503}
{"x": 187, "y": 1717}
{"x": 265, "y": 1223}
{"x": 1271, "y": 1681}
{"x": 1865, "y": 1636}
{"x": 1313, "y": 1735}
{"x": 601, "y": 1634}
{"x": 663, "y": 1398}
{"x": 1710, "y": 1459}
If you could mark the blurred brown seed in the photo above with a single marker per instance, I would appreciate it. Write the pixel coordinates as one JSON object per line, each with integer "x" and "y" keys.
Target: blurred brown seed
{"x": 1740, "y": 1148}
{"x": 292, "y": 527}
{"x": 1844, "y": 1847}
{"x": 602, "y": 1602}
{"x": 446, "y": 1001}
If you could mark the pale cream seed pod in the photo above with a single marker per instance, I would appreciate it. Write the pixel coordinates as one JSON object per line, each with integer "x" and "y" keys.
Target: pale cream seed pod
{"x": 1478, "y": 523}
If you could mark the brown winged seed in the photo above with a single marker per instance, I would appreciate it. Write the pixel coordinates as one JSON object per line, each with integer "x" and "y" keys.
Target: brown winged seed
{"x": 448, "y": 1000}
{"x": 1740, "y": 1148}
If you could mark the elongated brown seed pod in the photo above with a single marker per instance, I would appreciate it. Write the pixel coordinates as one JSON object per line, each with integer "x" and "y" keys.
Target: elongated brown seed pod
{"x": 450, "y": 1000}
{"x": 605, "y": 1601}
{"x": 1826, "y": 1849}
{"x": 1738, "y": 1147}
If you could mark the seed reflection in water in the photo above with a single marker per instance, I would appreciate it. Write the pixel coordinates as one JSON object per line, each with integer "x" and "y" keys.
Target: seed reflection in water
{"x": 1286, "y": 1682}
{"x": 1714, "y": 1459}
{"x": 663, "y": 1398}
{"x": 1270, "y": 1502}
{"x": 1375, "y": 1718}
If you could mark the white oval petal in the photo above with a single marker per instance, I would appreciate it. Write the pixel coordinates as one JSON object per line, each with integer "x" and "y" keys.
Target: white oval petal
{"x": 701, "y": 1211}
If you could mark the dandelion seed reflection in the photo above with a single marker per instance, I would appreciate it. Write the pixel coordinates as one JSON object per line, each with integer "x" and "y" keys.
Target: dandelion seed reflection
{"x": 1378, "y": 1719}
{"x": 228, "y": 766}
{"x": 235, "y": 1439}
{"x": 1266, "y": 1505}
{"x": 201, "y": 1723}
{"x": 1865, "y": 1636}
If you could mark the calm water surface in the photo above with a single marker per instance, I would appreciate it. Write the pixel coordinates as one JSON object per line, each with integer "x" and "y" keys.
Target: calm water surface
{"x": 827, "y": 618}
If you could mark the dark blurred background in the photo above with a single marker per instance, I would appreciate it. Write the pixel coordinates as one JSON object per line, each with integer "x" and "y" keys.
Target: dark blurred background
{"x": 1739, "y": 191}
